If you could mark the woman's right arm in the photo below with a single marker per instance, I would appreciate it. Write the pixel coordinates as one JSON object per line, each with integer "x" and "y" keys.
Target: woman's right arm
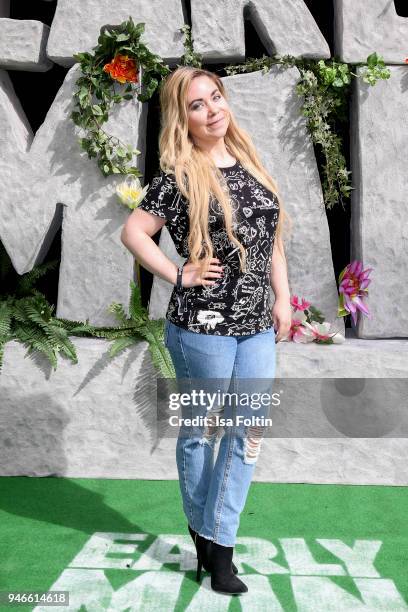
{"x": 136, "y": 236}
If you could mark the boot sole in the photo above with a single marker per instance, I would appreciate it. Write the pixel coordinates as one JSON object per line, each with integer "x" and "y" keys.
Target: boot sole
{"x": 229, "y": 592}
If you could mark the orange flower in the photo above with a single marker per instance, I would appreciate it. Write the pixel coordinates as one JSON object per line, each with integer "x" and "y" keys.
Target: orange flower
{"x": 122, "y": 69}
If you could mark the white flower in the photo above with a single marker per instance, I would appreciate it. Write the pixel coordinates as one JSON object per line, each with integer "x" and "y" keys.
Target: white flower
{"x": 130, "y": 192}
{"x": 322, "y": 331}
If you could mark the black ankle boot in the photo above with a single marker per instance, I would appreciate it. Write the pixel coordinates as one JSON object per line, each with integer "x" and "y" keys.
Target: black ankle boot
{"x": 223, "y": 579}
{"x": 203, "y": 547}
{"x": 205, "y": 561}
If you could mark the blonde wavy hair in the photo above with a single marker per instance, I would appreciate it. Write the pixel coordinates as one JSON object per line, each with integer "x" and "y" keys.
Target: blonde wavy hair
{"x": 197, "y": 175}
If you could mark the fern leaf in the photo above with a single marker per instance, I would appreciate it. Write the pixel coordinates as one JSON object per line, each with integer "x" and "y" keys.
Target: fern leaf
{"x": 5, "y": 317}
{"x": 70, "y": 324}
{"x": 119, "y": 312}
{"x": 120, "y": 344}
{"x": 37, "y": 311}
{"x": 111, "y": 333}
{"x": 153, "y": 332}
{"x": 137, "y": 312}
{"x": 59, "y": 339}
{"x": 34, "y": 339}
{"x": 78, "y": 328}
{"x": 26, "y": 281}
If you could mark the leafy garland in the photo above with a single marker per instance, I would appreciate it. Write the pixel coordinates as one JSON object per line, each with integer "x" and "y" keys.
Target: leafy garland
{"x": 26, "y": 314}
{"x": 324, "y": 87}
{"x": 120, "y": 55}
{"x": 111, "y": 75}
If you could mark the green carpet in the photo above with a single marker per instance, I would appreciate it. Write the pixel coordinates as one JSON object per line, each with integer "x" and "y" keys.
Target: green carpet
{"x": 123, "y": 545}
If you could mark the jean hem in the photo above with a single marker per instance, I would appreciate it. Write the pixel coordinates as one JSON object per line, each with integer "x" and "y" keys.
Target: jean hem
{"x": 216, "y": 540}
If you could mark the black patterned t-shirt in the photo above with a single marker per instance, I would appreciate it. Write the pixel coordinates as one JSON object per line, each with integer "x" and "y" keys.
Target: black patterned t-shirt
{"x": 238, "y": 304}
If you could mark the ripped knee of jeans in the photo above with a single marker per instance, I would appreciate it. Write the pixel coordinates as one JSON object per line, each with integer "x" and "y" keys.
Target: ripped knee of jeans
{"x": 252, "y": 443}
{"x": 212, "y": 430}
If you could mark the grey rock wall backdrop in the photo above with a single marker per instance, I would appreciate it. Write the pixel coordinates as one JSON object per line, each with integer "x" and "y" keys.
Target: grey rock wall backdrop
{"x": 163, "y": 18}
{"x": 96, "y": 418}
{"x": 22, "y": 45}
{"x": 362, "y": 27}
{"x": 379, "y": 205}
{"x": 283, "y": 27}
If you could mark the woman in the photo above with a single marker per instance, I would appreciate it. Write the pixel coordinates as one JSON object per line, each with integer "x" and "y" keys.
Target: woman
{"x": 224, "y": 216}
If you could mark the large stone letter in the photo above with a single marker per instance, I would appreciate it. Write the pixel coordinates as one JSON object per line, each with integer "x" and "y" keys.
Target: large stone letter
{"x": 379, "y": 229}
{"x": 38, "y": 173}
{"x": 163, "y": 19}
{"x": 284, "y": 27}
{"x": 22, "y": 45}
{"x": 362, "y": 27}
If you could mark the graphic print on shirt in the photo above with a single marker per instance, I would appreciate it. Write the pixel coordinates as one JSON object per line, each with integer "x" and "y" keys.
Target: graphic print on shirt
{"x": 238, "y": 304}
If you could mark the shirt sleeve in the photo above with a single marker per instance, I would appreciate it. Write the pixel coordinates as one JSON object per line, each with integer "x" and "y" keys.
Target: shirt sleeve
{"x": 162, "y": 197}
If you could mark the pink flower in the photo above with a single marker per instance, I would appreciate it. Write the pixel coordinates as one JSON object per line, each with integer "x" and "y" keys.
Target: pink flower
{"x": 352, "y": 289}
{"x": 301, "y": 331}
{"x": 297, "y": 332}
{"x": 295, "y": 303}
{"x": 320, "y": 333}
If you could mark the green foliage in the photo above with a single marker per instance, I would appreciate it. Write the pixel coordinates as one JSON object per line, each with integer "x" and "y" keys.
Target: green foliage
{"x": 314, "y": 314}
{"x": 190, "y": 57}
{"x": 324, "y": 87}
{"x": 26, "y": 316}
{"x": 253, "y": 64}
{"x": 131, "y": 329}
{"x": 374, "y": 70}
{"x": 97, "y": 92}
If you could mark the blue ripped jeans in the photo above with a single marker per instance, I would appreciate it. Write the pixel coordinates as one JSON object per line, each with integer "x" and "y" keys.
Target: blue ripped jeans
{"x": 214, "y": 493}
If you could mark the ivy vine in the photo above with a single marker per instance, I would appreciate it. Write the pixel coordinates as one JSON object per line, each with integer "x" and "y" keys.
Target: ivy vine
{"x": 98, "y": 90}
{"x": 190, "y": 57}
{"x": 324, "y": 87}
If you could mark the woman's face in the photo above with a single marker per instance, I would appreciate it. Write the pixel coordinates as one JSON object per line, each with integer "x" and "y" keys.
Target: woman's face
{"x": 206, "y": 105}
